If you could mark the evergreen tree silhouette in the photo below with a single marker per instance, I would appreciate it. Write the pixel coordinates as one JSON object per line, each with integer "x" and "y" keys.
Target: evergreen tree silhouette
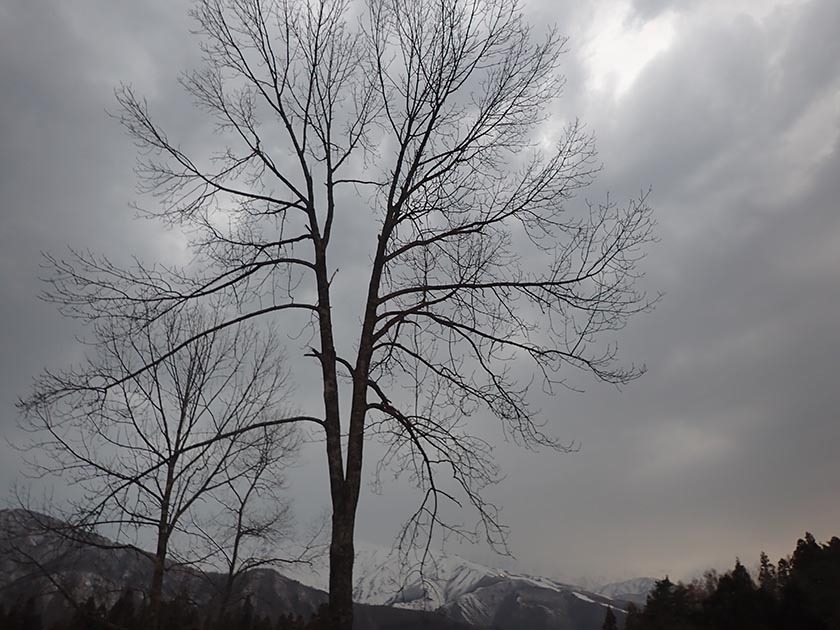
{"x": 767, "y": 579}
{"x": 782, "y": 573}
{"x": 736, "y": 604}
{"x": 610, "y": 622}
{"x": 634, "y": 619}
{"x": 666, "y": 606}
{"x": 814, "y": 581}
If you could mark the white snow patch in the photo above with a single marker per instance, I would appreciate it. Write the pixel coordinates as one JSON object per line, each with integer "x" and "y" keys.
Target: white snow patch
{"x": 584, "y": 597}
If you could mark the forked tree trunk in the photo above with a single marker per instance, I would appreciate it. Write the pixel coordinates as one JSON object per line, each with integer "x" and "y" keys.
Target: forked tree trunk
{"x": 345, "y": 495}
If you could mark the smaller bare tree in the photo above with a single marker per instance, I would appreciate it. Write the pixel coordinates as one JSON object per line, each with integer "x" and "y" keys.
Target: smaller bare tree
{"x": 147, "y": 447}
{"x": 248, "y": 523}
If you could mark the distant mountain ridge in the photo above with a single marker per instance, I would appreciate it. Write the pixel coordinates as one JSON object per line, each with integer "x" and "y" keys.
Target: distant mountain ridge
{"x": 41, "y": 555}
{"x": 459, "y": 593}
{"x": 634, "y": 590}
{"x": 475, "y": 594}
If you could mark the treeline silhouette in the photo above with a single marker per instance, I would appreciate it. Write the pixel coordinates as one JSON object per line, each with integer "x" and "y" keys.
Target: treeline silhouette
{"x": 800, "y": 591}
{"x": 129, "y": 613}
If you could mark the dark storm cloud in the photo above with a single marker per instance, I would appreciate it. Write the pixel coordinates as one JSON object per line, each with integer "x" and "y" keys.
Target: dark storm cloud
{"x": 726, "y": 446}
{"x": 648, "y": 9}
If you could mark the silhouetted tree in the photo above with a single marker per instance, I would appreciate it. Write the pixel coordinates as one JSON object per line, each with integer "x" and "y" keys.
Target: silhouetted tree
{"x": 669, "y": 606}
{"x": 735, "y": 604}
{"x": 634, "y": 620}
{"x": 782, "y": 572}
{"x": 610, "y": 622}
{"x": 795, "y": 610}
{"x": 767, "y": 579}
{"x": 814, "y": 579}
{"x": 800, "y": 593}
{"x": 137, "y": 440}
{"x": 248, "y": 519}
{"x": 659, "y": 608}
{"x": 431, "y": 107}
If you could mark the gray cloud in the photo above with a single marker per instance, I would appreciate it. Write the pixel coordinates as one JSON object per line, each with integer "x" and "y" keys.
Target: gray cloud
{"x": 650, "y": 9}
{"x": 725, "y": 447}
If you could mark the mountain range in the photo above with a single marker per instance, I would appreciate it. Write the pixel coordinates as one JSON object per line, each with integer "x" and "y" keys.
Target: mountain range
{"x": 37, "y": 557}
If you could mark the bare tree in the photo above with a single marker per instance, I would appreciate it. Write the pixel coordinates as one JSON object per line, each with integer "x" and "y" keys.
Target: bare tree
{"x": 480, "y": 281}
{"x": 247, "y": 523}
{"x": 145, "y": 450}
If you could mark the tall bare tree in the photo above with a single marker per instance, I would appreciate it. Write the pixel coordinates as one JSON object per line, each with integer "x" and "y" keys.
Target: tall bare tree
{"x": 145, "y": 450}
{"x": 480, "y": 278}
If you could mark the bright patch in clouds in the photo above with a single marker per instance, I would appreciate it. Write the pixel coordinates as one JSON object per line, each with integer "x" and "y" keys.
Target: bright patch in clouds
{"x": 617, "y": 47}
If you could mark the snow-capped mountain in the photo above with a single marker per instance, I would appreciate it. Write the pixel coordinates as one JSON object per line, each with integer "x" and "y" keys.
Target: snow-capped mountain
{"x": 384, "y": 577}
{"x": 467, "y": 592}
{"x": 635, "y": 590}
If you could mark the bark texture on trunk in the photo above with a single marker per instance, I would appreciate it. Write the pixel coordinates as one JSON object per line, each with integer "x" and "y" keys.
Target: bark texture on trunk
{"x": 342, "y": 555}
{"x": 346, "y": 483}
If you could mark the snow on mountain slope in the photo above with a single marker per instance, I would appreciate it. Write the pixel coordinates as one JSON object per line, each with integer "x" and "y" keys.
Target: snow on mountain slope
{"x": 516, "y": 602}
{"x": 634, "y": 590}
{"x": 382, "y": 577}
{"x": 465, "y": 591}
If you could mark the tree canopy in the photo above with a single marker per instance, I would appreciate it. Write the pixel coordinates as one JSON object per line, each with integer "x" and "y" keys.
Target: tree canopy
{"x": 428, "y": 117}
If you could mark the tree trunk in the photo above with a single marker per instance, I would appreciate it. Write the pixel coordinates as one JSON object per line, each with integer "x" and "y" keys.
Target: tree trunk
{"x": 156, "y": 589}
{"x": 342, "y": 553}
{"x": 346, "y": 499}
{"x": 342, "y": 556}
{"x": 231, "y": 576}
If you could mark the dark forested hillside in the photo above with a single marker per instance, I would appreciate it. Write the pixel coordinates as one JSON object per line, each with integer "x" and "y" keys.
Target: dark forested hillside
{"x": 800, "y": 591}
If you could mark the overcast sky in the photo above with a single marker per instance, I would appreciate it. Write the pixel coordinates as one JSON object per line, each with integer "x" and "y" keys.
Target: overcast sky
{"x": 729, "y": 110}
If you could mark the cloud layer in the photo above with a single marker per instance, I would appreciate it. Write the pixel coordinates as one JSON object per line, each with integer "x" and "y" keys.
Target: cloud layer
{"x": 730, "y": 112}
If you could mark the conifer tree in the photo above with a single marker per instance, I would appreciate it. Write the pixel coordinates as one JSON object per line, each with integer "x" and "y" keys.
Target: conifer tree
{"x": 634, "y": 618}
{"x": 735, "y": 604}
{"x": 657, "y": 612}
{"x": 767, "y": 579}
{"x": 782, "y": 572}
{"x": 610, "y": 622}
